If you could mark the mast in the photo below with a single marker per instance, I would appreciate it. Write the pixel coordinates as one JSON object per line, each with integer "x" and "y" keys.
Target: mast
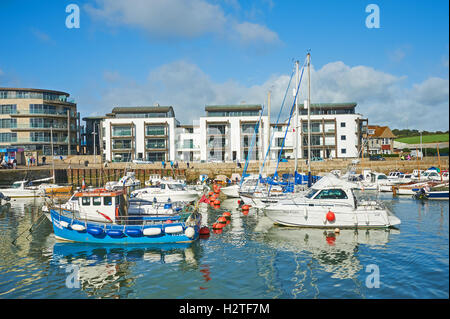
{"x": 53, "y": 158}
{"x": 268, "y": 123}
{"x": 309, "y": 120}
{"x": 296, "y": 120}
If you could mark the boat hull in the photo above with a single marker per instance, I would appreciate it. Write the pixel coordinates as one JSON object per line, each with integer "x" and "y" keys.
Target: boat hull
{"x": 231, "y": 191}
{"x": 13, "y": 193}
{"x": 73, "y": 230}
{"x": 317, "y": 218}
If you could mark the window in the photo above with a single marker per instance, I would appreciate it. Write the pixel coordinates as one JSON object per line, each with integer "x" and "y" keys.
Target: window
{"x": 96, "y": 201}
{"x": 342, "y": 124}
{"x": 332, "y": 194}
{"x": 121, "y": 131}
{"x": 8, "y": 123}
{"x": 85, "y": 201}
{"x": 107, "y": 200}
{"x": 155, "y": 130}
{"x": 8, "y": 109}
{"x": 343, "y": 150}
{"x": 8, "y": 137}
{"x": 311, "y": 193}
{"x": 343, "y": 137}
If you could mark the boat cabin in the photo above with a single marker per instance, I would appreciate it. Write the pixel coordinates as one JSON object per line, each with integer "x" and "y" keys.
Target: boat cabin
{"x": 336, "y": 195}
{"x": 98, "y": 205}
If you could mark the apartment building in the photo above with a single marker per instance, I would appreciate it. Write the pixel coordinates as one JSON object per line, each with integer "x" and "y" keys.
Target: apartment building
{"x": 144, "y": 133}
{"x": 28, "y": 117}
{"x": 336, "y": 132}
{"x": 233, "y": 133}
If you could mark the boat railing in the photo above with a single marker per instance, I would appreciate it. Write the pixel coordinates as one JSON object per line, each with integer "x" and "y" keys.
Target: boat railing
{"x": 322, "y": 203}
{"x": 138, "y": 219}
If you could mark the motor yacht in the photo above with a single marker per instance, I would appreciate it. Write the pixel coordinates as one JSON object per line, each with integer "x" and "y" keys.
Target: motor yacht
{"x": 164, "y": 191}
{"x": 330, "y": 203}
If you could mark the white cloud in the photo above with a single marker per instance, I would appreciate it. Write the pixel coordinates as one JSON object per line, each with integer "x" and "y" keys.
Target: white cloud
{"x": 381, "y": 97}
{"x": 178, "y": 19}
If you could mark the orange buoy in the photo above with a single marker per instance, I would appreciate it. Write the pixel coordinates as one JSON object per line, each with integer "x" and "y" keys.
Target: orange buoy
{"x": 217, "y": 202}
{"x": 330, "y": 216}
{"x": 169, "y": 221}
{"x": 210, "y": 193}
{"x": 245, "y": 212}
{"x": 222, "y": 220}
{"x": 218, "y": 226}
{"x": 245, "y": 208}
{"x": 227, "y": 215}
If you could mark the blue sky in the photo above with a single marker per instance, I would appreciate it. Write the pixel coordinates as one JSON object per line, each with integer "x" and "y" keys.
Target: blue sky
{"x": 191, "y": 53}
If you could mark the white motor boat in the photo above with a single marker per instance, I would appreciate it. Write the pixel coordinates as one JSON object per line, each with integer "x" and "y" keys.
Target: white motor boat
{"x": 374, "y": 181}
{"x": 129, "y": 180}
{"x": 431, "y": 175}
{"x": 231, "y": 191}
{"x": 331, "y": 204}
{"x": 400, "y": 180}
{"x": 166, "y": 190}
{"x": 21, "y": 189}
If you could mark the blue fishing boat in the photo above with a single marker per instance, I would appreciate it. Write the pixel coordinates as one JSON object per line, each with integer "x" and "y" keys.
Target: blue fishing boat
{"x": 102, "y": 217}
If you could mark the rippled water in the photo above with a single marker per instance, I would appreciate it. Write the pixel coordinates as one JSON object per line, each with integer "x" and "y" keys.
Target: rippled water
{"x": 251, "y": 258}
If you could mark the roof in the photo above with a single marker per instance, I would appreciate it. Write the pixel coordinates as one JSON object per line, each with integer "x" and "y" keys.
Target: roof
{"x": 244, "y": 107}
{"x": 35, "y": 90}
{"x": 93, "y": 118}
{"x": 142, "y": 109}
{"x": 345, "y": 105}
{"x": 381, "y": 131}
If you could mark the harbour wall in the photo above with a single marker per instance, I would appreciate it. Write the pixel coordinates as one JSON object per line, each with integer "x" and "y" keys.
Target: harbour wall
{"x": 73, "y": 172}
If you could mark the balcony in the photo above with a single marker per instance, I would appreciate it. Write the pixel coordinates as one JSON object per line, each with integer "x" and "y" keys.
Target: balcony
{"x": 48, "y": 113}
{"x": 46, "y": 127}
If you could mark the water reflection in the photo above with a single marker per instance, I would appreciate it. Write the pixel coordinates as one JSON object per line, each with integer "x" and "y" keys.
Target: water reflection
{"x": 105, "y": 270}
{"x": 315, "y": 252}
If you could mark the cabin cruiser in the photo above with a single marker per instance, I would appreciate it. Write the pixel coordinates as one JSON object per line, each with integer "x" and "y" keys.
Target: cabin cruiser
{"x": 330, "y": 203}
{"x": 430, "y": 175}
{"x": 400, "y": 180}
{"x": 166, "y": 190}
{"x": 393, "y": 176}
{"x": 373, "y": 181}
{"x": 23, "y": 189}
{"x": 129, "y": 180}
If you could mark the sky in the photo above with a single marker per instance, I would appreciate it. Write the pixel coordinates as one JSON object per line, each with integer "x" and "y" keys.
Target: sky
{"x": 192, "y": 53}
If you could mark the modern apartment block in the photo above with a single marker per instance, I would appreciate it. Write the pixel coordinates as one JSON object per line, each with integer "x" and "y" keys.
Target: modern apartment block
{"x": 227, "y": 133}
{"x": 144, "y": 133}
{"x": 29, "y": 116}
{"x": 336, "y": 132}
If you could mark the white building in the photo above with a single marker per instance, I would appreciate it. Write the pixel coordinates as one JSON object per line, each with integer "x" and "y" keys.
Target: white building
{"x": 139, "y": 133}
{"x": 227, "y": 133}
{"x": 336, "y": 132}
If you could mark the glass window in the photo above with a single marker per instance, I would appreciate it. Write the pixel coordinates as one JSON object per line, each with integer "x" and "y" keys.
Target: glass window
{"x": 96, "y": 201}
{"x": 311, "y": 193}
{"x": 343, "y": 137}
{"x": 85, "y": 201}
{"x": 342, "y": 124}
{"x": 343, "y": 150}
{"x": 117, "y": 200}
{"x": 107, "y": 200}
{"x": 332, "y": 194}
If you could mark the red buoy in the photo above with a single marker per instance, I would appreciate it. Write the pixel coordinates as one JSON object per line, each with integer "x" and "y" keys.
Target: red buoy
{"x": 330, "y": 216}
{"x": 204, "y": 230}
{"x": 222, "y": 220}
{"x": 218, "y": 226}
{"x": 245, "y": 208}
{"x": 227, "y": 215}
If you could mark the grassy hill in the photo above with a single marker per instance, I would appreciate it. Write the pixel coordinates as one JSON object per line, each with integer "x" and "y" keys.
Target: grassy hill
{"x": 433, "y": 138}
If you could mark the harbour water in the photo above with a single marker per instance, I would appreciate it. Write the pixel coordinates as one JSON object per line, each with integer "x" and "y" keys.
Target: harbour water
{"x": 250, "y": 258}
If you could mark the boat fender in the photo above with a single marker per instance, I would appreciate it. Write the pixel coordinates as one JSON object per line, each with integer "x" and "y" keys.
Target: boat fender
{"x": 95, "y": 231}
{"x": 152, "y": 231}
{"x": 133, "y": 232}
{"x": 115, "y": 233}
{"x": 173, "y": 229}
{"x": 330, "y": 216}
{"x": 204, "y": 230}
{"x": 78, "y": 227}
{"x": 190, "y": 232}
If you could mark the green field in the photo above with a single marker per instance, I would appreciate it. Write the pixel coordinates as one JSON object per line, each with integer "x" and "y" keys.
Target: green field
{"x": 435, "y": 138}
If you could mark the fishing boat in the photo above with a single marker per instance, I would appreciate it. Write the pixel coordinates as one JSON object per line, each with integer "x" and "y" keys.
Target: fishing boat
{"x": 331, "y": 203}
{"x": 166, "y": 190}
{"x": 103, "y": 217}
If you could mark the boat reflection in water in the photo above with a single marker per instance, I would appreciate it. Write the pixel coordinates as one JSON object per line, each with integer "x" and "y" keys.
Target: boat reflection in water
{"x": 112, "y": 268}
{"x": 318, "y": 253}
